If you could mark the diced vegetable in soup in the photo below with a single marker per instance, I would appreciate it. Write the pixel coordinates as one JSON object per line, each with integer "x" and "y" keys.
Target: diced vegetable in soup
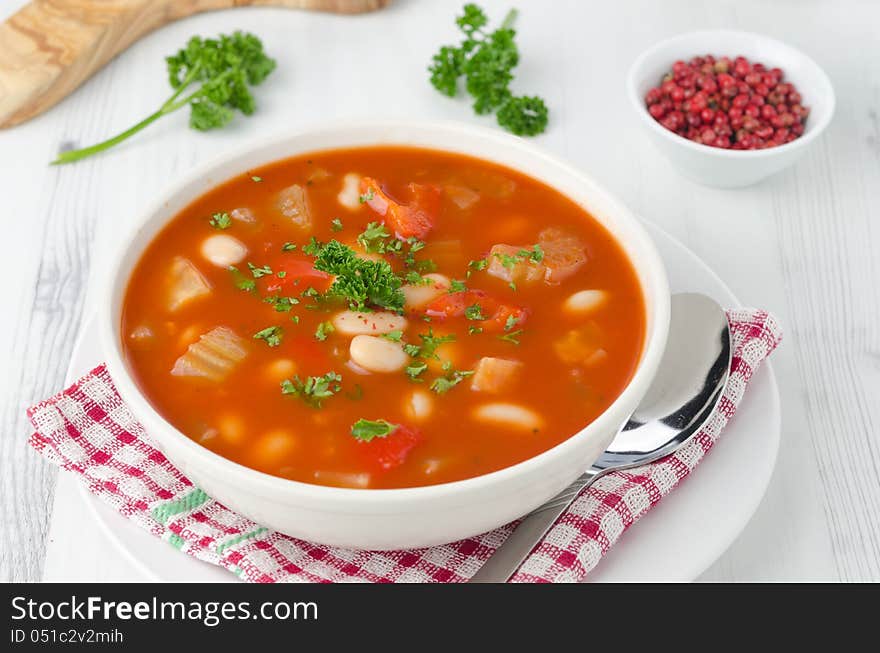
{"x": 382, "y": 317}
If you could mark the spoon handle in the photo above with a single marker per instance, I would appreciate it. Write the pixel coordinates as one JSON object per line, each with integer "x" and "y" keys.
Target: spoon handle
{"x": 510, "y": 555}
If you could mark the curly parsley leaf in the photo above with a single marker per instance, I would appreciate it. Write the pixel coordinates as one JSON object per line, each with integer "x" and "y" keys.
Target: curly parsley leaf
{"x": 523, "y": 116}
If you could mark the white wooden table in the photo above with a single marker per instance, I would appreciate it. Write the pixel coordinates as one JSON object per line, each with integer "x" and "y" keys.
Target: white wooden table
{"x": 803, "y": 244}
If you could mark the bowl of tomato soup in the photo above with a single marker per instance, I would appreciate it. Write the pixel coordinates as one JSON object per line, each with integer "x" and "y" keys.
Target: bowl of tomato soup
{"x": 385, "y": 335}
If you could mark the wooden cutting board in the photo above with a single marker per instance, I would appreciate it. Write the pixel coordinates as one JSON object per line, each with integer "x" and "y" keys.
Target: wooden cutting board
{"x": 50, "y": 47}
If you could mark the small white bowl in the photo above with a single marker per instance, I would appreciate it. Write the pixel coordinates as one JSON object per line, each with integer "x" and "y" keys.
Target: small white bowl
{"x": 409, "y": 517}
{"x": 715, "y": 166}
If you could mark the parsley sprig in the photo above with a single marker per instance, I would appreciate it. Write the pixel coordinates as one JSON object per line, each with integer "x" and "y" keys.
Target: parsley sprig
{"x": 486, "y": 61}
{"x": 361, "y": 282}
{"x": 220, "y": 70}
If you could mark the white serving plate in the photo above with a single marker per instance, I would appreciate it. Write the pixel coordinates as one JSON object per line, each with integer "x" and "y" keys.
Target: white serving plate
{"x": 676, "y": 541}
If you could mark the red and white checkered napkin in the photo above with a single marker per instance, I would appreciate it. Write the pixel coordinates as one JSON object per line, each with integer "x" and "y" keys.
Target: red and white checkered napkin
{"x": 88, "y": 430}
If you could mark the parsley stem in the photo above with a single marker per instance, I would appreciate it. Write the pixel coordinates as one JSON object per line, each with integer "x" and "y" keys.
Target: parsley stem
{"x": 509, "y": 19}
{"x": 75, "y": 155}
{"x": 169, "y": 106}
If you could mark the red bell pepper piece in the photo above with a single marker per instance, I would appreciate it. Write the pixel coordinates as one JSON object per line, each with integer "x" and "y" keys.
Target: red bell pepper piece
{"x": 415, "y": 219}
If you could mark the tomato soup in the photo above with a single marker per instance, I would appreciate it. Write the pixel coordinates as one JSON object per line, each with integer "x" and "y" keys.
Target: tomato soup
{"x": 382, "y": 317}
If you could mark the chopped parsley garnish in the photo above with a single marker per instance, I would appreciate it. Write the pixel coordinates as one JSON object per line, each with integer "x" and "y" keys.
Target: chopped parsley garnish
{"x": 281, "y": 274}
{"x": 474, "y": 330}
{"x": 512, "y": 286}
{"x": 313, "y": 248}
{"x": 411, "y": 349}
{"x": 259, "y": 271}
{"x": 443, "y": 384}
{"x": 477, "y": 266}
{"x": 423, "y": 266}
{"x": 366, "y": 197}
{"x": 220, "y": 220}
{"x": 336, "y": 224}
{"x": 414, "y": 369}
{"x": 281, "y": 304}
{"x": 361, "y": 282}
{"x": 375, "y": 239}
{"x": 309, "y": 292}
{"x": 510, "y": 322}
{"x": 288, "y": 247}
{"x": 271, "y": 335}
{"x": 537, "y": 253}
{"x": 256, "y": 178}
{"x": 324, "y": 329}
{"x": 393, "y": 336}
{"x": 474, "y": 312}
{"x": 240, "y": 280}
{"x": 314, "y": 389}
{"x": 507, "y": 260}
{"x": 413, "y": 278}
{"x": 365, "y": 430}
{"x": 295, "y": 319}
{"x": 534, "y": 255}
{"x": 513, "y": 336}
{"x": 373, "y": 236}
{"x": 455, "y": 286}
{"x": 430, "y": 343}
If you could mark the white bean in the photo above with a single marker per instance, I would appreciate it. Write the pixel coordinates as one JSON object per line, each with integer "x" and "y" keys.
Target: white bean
{"x": 350, "y": 195}
{"x": 513, "y": 415}
{"x": 419, "y": 405}
{"x": 280, "y": 369}
{"x": 231, "y": 428}
{"x": 585, "y": 301}
{"x": 377, "y": 354}
{"x": 354, "y": 323}
{"x": 419, "y": 295}
{"x": 223, "y": 250}
{"x": 273, "y": 446}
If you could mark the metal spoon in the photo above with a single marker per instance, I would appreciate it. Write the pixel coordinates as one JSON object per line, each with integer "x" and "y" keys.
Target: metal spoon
{"x": 679, "y": 401}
